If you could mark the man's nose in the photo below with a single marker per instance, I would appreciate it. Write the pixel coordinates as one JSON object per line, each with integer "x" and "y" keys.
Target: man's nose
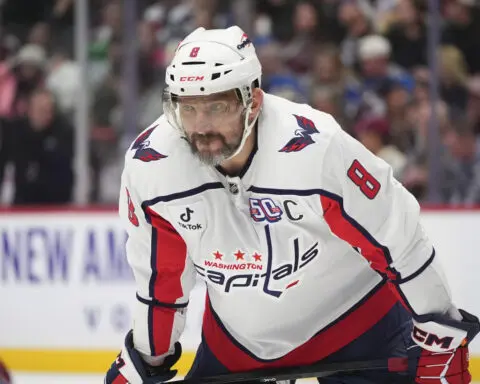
{"x": 202, "y": 122}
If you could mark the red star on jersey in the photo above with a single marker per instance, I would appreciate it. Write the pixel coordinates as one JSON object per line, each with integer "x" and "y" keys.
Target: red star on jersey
{"x": 257, "y": 257}
{"x": 239, "y": 255}
{"x": 218, "y": 255}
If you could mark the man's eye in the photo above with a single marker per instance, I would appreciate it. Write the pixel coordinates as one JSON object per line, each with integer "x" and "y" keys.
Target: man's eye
{"x": 187, "y": 108}
{"x": 218, "y": 107}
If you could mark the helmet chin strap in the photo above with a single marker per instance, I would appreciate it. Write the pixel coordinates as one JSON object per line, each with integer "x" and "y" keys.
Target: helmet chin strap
{"x": 246, "y": 131}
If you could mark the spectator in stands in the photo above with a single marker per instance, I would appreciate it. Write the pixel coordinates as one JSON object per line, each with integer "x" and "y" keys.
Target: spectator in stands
{"x": 453, "y": 77}
{"x": 376, "y": 66}
{"x": 277, "y": 14}
{"x": 357, "y": 23}
{"x": 277, "y": 77}
{"x": 273, "y": 65}
{"x": 18, "y": 79}
{"x": 408, "y": 35}
{"x": 377, "y": 74}
{"x": 328, "y": 69}
{"x": 329, "y": 72}
{"x": 55, "y": 28}
{"x": 420, "y": 118}
{"x": 422, "y": 78}
{"x": 398, "y": 102}
{"x": 298, "y": 51}
{"x": 149, "y": 46}
{"x": 109, "y": 29}
{"x": 63, "y": 80}
{"x": 150, "y": 91}
{"x": 462, "y": 30}
{"x": 5, "y": 141}
{"x": 42, "y": 153}
{"x": 185, "y": 15}
{"x": 61, "y": 20}
{"x": 330, "y": 100}
{"x": 105, "y": 126}
{"x": 383, "y": 12}
{"x": 464, "y": 147}
{"x": 473, "y": 105}
{"x": 415, "y": 176}
{"x": 40, "y": 35}
{"x": 327, "y": 100}
{"x": 283, "y": 26}
{"x": 374, "y": 134}
{"x": 8, "y": 88}
{"x": 287, "y": 87}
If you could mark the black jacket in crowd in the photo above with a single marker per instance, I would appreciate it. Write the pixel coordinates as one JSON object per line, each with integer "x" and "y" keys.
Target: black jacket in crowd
{"x": 43, "y": 161}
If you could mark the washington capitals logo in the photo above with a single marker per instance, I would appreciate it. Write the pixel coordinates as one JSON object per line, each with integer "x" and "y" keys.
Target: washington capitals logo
{"x": 303, "y": 135}
{"x": 142, "y": 151}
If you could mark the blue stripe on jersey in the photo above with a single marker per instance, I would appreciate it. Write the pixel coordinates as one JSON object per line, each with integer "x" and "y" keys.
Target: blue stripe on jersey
{"x": 150, "y": 325}
{"x": 153, "y": 262}
{"x": 157, "y": 303}
{"x": 151, "y": 288}
{"x": 419, "y": 271}
{"x": 179, "y": 195}
{"x": 415, "y": 315}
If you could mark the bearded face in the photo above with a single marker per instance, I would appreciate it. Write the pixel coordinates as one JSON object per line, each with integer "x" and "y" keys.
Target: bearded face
{"x": 213, "y": 125}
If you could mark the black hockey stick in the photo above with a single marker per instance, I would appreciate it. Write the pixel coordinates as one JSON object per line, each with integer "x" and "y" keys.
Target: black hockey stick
{"x": 393, "y": 364}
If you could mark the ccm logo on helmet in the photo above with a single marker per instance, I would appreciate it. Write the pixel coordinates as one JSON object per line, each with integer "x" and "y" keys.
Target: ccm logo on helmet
{"x": 191, "y": 78}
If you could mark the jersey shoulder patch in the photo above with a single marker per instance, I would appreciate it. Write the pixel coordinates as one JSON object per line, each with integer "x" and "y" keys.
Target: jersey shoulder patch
{"x": 158, "y": 163}
{"x": 143, "y": 151}
{"x": 303, "y": 135}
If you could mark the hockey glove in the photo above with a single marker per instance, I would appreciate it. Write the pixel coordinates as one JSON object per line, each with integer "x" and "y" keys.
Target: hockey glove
{"x": 129, "y": 367}
{"x": 440, "y": 354}
{"x": 4, "y": 374}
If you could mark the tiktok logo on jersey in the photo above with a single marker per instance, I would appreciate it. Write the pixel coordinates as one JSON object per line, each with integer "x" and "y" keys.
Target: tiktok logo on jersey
{"x": 189, "y": 218}
{"x": 186, "y": 217}
{"x": 265, "y": 210}
{"x": 282, "y": 277}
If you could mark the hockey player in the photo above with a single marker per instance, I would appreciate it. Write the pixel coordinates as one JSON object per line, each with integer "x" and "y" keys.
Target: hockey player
{"x": 310, "y": 249}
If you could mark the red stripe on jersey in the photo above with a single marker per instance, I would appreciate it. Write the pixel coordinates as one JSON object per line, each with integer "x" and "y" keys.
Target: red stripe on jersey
{"x": 169, "y": 253}
{"x": 350, "y": 231}
{"x": 120, "y": 380}
{"x": 236, "y": 358}
{"x": 161, "y": 322}
{"x": 347, "y": 229}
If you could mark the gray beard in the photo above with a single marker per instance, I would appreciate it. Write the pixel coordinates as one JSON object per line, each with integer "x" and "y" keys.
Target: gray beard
{"x": 214, "y": 159}
{"x": 210, "y": 160}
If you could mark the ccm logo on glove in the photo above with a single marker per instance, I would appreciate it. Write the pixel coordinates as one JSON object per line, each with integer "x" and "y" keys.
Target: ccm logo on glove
{"x": 429, "y": 339}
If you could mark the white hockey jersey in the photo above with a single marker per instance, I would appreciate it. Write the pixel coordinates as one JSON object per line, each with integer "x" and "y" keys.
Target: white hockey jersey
{"x": 304, "y": 251}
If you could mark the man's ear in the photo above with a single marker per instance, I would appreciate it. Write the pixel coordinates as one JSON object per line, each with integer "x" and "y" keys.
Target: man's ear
{"x": 257, "y": 101}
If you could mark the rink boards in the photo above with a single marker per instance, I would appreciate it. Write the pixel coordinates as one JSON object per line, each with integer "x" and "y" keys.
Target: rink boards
{"x": 67, "y": 290}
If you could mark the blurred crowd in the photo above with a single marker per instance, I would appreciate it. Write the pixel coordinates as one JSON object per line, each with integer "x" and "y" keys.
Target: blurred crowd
{"x": 364, "y": 61}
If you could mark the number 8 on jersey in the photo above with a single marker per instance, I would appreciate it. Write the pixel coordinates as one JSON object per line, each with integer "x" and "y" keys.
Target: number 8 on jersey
{"x": 360, "y": 176}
